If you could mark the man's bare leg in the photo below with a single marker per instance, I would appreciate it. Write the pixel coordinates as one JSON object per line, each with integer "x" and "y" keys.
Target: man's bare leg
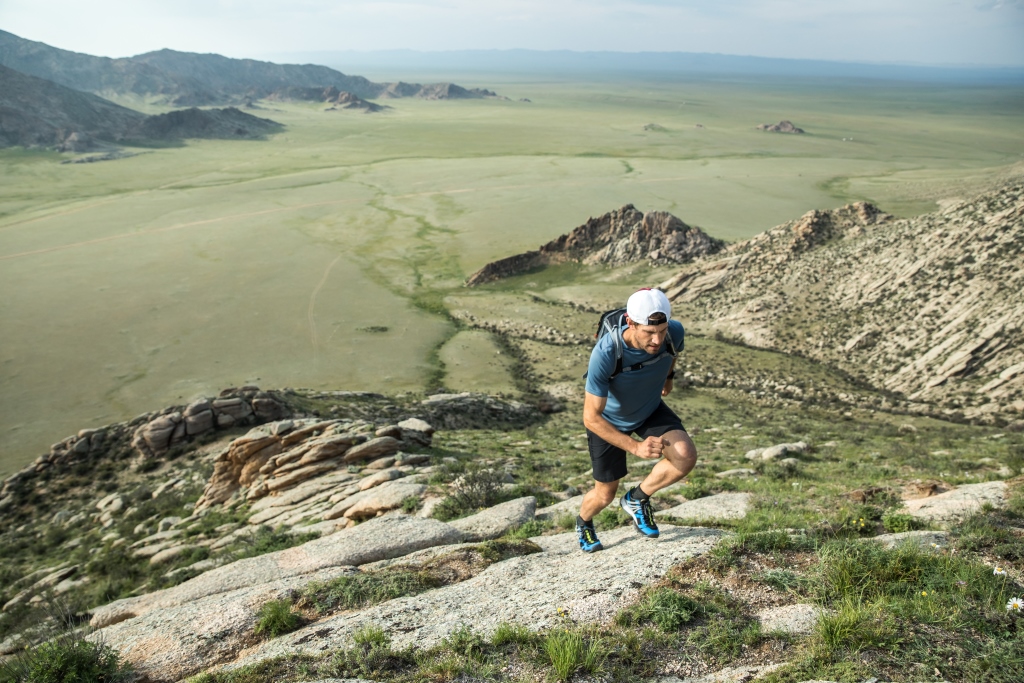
{"x": 597, "y": 499}
{"x": 678, "y": 458}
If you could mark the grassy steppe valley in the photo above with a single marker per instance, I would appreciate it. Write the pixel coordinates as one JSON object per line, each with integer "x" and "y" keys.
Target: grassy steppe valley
{"x": 328, "y": 256}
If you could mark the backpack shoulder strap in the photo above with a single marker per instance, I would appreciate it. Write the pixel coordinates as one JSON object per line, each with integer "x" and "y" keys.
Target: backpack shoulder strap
{"x": 613, "y": 325}
{"x": 609, "y": 324}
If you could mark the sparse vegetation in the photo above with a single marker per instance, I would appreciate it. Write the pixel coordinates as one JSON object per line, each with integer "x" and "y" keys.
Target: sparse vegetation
{"x": 571, "y": 651}
{"x": 275, "y": 618}
{"x": 65, "y": 656}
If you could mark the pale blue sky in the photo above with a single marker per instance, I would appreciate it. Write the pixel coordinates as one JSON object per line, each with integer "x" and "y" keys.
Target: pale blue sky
{"x": 977, "y": 32}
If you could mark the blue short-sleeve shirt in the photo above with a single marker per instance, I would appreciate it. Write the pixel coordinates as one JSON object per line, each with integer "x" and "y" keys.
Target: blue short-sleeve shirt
{"x": 632, "y": 396}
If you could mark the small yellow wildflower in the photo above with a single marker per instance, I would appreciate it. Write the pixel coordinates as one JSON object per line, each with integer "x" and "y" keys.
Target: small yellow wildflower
{"x": 925, "y": 593}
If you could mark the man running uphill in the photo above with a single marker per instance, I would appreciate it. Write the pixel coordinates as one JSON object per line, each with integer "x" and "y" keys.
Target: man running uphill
{"x": 626, "y": 379}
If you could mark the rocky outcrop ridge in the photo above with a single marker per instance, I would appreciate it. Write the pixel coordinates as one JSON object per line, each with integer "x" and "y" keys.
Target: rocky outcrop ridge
{"x": 925, "y": 307}
{"x": 781, "y": 127}
{"x": 278, "y": 457}
{"x": 228, "y": 123}
{"x": 347, "y": 100}
{"x": 622, "y": 236}
{"x": 151, "y": 435}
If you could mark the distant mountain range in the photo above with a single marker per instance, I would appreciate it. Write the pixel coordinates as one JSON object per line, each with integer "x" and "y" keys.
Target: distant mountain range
{"x": 37, "y": 112}
{"x": 189, "y": 79}
{"x": 55, "y": 98}
{"x": 602, "y": 64}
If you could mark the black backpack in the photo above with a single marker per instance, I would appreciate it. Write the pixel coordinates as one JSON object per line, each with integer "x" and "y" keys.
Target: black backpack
{"x": 609, "y": 323}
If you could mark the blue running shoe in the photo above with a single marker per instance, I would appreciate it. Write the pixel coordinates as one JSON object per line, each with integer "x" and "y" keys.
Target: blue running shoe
{"x": 643, "y": 517}
{"x": 588, "y": 539}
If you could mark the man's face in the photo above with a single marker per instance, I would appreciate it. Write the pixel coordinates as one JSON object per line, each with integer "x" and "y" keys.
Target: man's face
{"x": 650, "y": 337}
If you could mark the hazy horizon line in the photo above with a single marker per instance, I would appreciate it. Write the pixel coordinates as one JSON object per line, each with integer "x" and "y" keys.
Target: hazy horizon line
{"x": 923, "y": 65}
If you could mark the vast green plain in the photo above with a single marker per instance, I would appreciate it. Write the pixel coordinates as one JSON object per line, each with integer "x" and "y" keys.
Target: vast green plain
{"x": 323, "y": 256}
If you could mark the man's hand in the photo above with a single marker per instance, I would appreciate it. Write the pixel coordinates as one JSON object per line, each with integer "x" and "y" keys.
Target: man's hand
{"x": 667, "y": 389}
{"x": 650, "y": 448}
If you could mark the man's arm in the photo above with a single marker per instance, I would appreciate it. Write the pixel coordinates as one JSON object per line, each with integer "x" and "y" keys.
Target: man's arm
{"x": 593, "y": 406}
{"x": 667, "y": 389}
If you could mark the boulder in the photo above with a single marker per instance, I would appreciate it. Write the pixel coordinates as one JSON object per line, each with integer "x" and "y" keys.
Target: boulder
{"x": 569, "y": 506}
{"x": 374, "y": 448}
{"x": 924, "y": 539}
{"x": 958, "y": 503}
{"x": 203, "y": 405}
{"x": 156, "y": 434}
{"x": 415, "y": 424}
{"x": 378, "y": 500}
{"x": 167, "y": 523}
{"x": 718, "y": 506}
{"x": 777, "y": 451}
{"x": 199, "y": 423}
{"x": 43, "y": 584}
{"x": 237, "y": 408}
{"x": 170, "y": 554}
{"x": 738, "y": 472}
{"x": 267, "y": 408}
{"x": 329, "y": 447}
{"x": 495, "y": 521}
{"x": 304, "y": 491}
{"x": 381, "y": 463}
{"x": 380, "y": 477}
{"x": 300, "y": 475}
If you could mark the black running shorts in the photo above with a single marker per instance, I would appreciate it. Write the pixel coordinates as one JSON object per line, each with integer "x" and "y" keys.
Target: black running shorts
{"x": 610, "y": 461}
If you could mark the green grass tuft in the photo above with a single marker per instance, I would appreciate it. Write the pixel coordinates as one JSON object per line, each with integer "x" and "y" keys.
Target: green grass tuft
{"x": 898, "y": 522}
{"x": 570, "y": 650}
{"x": 276, "y": 618}
{"x": 362, "y": 589}
{"x": 516, "y": 634}
{"x": 663, "y": 607}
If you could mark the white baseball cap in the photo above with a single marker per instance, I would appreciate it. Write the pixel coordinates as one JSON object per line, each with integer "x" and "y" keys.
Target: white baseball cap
{"x": 645, "y": 303}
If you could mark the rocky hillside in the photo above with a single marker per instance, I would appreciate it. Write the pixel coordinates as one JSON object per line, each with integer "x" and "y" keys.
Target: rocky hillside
{"x": 190, "y": 79}
{"x": 618, "y": 237}
{"x": 228, "y": 123}
{"x": 928, "y": 307}
{"x": 35, "y": 112}
{"x": 370, "y": 519}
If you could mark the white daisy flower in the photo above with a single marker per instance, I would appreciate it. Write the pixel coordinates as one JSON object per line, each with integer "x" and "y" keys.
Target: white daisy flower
{"x": 1015, "y": 605}
{"x": 999, "y": 571}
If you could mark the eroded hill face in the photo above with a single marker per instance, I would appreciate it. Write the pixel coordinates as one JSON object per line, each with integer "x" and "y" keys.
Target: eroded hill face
{"x": 929, "y": 307}
{"x": 34, "y": 111}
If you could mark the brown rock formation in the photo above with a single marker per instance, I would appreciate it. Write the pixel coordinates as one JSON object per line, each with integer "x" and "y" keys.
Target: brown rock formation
{"x": 347, "y": 100}
{"x": 622, "y": 236}
{"x": 781, "y": 127}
